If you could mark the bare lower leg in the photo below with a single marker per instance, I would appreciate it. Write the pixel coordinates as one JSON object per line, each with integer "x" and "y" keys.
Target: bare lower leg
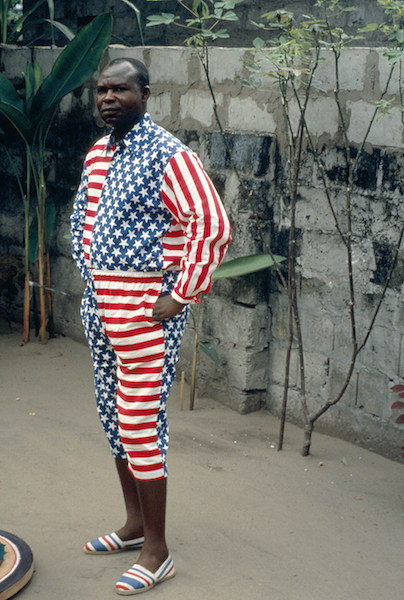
{"x": 153, "y": 498}
{"x": 133, "y": 527}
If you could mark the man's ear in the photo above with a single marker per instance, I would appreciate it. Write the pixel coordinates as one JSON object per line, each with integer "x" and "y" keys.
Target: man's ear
{"x": 145, "y": 93}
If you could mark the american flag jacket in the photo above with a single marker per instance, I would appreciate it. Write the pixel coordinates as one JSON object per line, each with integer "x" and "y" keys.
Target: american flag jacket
{"x": 146, "y": 204}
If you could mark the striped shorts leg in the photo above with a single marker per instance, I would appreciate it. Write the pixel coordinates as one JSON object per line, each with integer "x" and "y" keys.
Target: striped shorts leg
{"x": 104, "y": 364}
{"x": 146, "y": 354}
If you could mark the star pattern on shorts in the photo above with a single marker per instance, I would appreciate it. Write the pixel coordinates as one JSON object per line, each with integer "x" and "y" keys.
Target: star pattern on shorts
{"x": 104, "y": 363}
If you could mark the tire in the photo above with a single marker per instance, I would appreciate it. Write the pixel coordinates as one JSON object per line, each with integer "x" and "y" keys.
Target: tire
{"x": 17, "y": 567}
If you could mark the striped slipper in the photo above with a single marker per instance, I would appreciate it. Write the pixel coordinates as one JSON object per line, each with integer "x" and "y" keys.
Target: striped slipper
{"x": 138, "y": 579}
{"x": 109, "y": 544}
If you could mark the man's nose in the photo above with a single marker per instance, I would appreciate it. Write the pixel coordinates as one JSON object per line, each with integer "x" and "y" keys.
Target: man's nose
{"x": 109, "y": 96}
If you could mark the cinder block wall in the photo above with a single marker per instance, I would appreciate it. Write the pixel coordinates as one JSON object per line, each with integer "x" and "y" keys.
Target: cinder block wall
{"x": 246, "y": 318}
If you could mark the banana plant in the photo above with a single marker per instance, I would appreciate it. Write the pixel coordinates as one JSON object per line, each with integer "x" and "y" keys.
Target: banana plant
{"x": 14, "y": 24}
{"x": 30, "y": 118}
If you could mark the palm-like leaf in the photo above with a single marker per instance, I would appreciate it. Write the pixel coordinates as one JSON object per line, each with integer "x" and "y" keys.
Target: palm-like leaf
{"x": 12, "y": 107}
{"x": 75, "y": 65}
{"x": 33, "y": 81}
{"x": 246, "y": 264}
{"x": 16, "y": 30}
{"x": 63, "y": 28}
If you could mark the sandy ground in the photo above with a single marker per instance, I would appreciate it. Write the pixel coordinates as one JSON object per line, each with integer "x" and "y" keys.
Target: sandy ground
{"x": 245, "y": 522}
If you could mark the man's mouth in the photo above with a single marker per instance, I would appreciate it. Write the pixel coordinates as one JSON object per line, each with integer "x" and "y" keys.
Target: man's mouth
{"x": 109, "y": 112}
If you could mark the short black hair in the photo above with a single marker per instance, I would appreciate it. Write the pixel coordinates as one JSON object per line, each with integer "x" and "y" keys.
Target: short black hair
{"x": 142, "y": 74}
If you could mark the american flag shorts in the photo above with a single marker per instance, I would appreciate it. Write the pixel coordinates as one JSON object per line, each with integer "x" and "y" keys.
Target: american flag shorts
{"x": 146, "y": 353}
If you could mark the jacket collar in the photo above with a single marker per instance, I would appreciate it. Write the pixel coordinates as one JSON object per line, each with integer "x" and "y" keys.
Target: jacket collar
{"x": 136, "y": 135}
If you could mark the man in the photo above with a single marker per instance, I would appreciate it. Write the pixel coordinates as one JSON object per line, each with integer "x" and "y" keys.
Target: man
{"x": 148, "y": 230}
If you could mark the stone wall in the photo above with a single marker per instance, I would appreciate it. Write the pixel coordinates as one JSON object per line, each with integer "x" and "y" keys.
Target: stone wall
{"x": 246, "y": 317}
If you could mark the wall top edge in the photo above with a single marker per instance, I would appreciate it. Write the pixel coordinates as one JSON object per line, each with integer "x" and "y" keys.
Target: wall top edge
{"x": 364, "y": 49}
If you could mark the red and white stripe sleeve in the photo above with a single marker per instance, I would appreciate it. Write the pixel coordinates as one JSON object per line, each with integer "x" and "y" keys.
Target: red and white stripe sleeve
{"x": 192, "y": 198}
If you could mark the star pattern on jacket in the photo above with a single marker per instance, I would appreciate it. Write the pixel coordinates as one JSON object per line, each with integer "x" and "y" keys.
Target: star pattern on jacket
{"x": 131, "y": 219}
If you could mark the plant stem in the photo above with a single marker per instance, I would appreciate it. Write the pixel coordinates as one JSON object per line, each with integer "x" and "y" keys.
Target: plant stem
{"x": 194, "y": 358}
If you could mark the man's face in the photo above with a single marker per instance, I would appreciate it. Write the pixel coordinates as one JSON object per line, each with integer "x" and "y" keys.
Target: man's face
{"x": 120, "y": 100}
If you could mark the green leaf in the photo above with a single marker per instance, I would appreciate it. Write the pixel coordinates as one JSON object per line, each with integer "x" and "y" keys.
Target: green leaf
{"x": 17, "y": 27}
{"x": 163, "y": 19}
{"x": 33, "y": 81}
{"x": 12, "y": 107}
{"x": 63, "y": 28}
{"x": 9, "y": 94}
{"x": 210, "y": 351}
{"x": 370, "y": 27}
{"x": 229, "y": 4}
{"x": 258, "y": 43}
{"x": 220, "y": 33}
{"x": 230, "y": 16}
{"x": 76, "y": 63}
{"x": 138, "y": 19}
{"x": 42, "y": 122}
{"x": 245, "y": 264}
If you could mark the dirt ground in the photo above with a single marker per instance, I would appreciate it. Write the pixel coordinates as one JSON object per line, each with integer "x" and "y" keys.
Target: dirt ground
{"x": 245, "y": 522}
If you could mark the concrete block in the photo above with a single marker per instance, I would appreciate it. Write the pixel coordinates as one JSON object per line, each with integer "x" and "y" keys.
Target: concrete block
{"x": 67, "y": 298}
{"x": 322, "y": 256}
{"x": 196, "y": 109}
{"x": 258, "y": 371}
{"x": 318, "y": 333}
{"x": 14, "y": 60}
{"x": 46, "y": 57}
{"x": 277, "y": 365}
{"x": 352, "y": 70}
{"x": 321, "y": 116}
{"x": 159, "y": 107}
{"x": 169, "y": 65}
{"x": 360, "y": 115}
{"x": 338, "y": 374}
{"x": 382, "y": 352}
{"x": 363, "y": 261}
{"x": 317, "y": 368}
{"x": 384, "y": 73}
{"x": 119, "y": 50}
{"x": 250, "y": 332}
{"x": 400, "y": 357}
{"x": 62, "y": 239}
{"x": 342, "y": 340}
{"x": 280, "y": 323}
{"x": 225, "y": 64}
{"x": 312, "y": 212}
{"x": 237, "y": 370}
{"x": 244, "y": 114}
{"x": 372, "y": 394}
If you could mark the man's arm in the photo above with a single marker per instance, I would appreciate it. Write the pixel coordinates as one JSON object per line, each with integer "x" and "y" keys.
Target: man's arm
{"x": 192, "y": 198}
{"x": 77, "y": 222}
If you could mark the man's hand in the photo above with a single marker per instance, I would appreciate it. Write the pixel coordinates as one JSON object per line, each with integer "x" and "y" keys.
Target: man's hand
{"x": 166, "y": 307}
